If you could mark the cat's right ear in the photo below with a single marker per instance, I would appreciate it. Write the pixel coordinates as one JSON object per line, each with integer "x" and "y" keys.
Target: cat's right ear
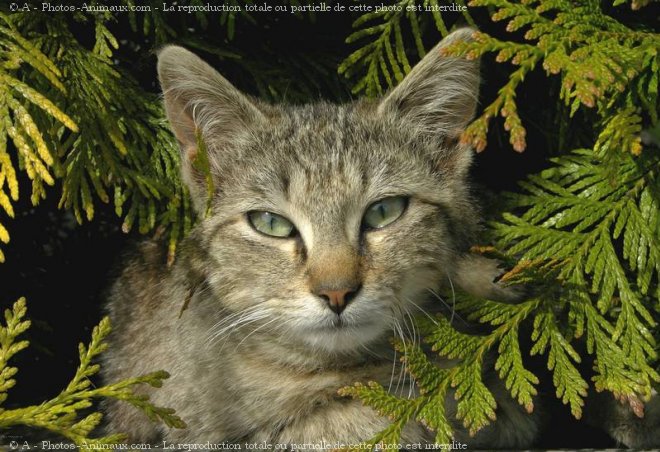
{"x": 200, "y": 103}
{"x": 439, "y": 95}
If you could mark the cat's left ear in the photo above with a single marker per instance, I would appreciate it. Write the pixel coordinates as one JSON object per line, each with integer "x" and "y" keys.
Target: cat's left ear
{"x": 439, "y": 96}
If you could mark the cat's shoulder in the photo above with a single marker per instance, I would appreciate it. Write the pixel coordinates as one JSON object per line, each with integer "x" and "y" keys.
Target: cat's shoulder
{"x": 138, "y": 277}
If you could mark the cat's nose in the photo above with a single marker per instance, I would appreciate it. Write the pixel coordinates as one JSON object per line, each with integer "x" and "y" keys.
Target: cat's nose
{"x": 338, "y": 299}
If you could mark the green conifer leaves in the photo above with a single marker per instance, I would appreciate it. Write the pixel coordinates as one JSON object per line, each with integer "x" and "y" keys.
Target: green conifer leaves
{"x": 475, "y": 406}
{"x": 380, "y": 57}
{"x": 518, "y": 380}
{"x": 602, "y": 63}
{"x": 18, "y": 124}
{"x": 62, "y": 414}
{"x": 14, "y": 327}
{"x": 383, "y": 58}
{"x": 562, "y": 357}
{"x": 600, "y": 230}
{"x": 111, "y": 145}
{"x": 123, "y": 147}
{"x": 585, "y": 231}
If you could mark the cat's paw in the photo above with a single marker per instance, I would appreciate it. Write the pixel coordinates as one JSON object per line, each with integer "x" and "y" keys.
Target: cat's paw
{"x": 479, "y": 276}
{"x": 634, "y": 431}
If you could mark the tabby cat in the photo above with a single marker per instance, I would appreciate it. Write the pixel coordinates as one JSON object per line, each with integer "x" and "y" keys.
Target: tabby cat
{"x": 325, "y": 228}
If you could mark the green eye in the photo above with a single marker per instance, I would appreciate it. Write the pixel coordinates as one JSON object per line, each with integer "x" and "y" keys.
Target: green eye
{"x": 383, "y": 212}
{"x": 271, "y": 224}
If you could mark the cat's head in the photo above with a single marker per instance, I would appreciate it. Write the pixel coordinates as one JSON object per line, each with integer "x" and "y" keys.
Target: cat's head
{"x": 325, "y": 224}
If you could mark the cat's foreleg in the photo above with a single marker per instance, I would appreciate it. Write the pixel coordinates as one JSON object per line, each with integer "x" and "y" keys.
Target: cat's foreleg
{"x": 478, "y": 276}
{"x": 639, "y": 430}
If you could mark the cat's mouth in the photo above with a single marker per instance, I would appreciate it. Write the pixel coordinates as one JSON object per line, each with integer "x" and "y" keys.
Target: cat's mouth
{"x": 338, "y": 322}
{"x": 343, "y": 333}
{"x": 335, "y": 324}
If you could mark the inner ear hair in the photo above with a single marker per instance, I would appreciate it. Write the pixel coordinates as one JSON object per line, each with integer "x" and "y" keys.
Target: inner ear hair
{"x": 197, "y": 97}
{"x": 439, "y": 95}
{"x": 200, "y": 103}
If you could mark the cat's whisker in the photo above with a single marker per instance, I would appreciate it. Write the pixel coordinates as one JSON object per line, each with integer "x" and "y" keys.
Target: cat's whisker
{"x": 226, "y": 325}
{"x": 422, "y": 310}
{"x": 371, "y": 352}
{"x": 409, "y": 329}
{"x": 257, "y": 329}
{"x": 402, "y": 372}
{"x": 394, "y": 355}
{"x": 453, "y": 299}
{"x": 283, "y": 326}
{"x": 229, "y": 324}
{"x": 389, "y": 387}
{"x": 240, "y": 314}
{"x": 227, "y": 318}
{"x": 451, "y": 307}
{"x": 226, "y": 338}
{"x": 212, "y": 331}
{"x": 416, "y": 343}
{"x": 416, "y": 337}
{"x": 398, "y": 330}
{"x": 413, "y": 339}
{"x": 225, "y": 335}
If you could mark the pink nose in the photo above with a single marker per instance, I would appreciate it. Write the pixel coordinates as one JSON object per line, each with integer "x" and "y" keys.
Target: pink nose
{"x": 337, "y": 299}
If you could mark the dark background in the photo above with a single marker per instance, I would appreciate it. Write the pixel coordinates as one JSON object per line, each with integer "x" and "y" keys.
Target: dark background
{"x": 62, "y": 268}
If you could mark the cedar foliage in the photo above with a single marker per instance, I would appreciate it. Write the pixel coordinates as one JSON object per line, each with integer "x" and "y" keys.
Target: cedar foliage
{"x": 112, "y": 145}
{"x": 62, "y": 413}
{"x": 582, "y": 233}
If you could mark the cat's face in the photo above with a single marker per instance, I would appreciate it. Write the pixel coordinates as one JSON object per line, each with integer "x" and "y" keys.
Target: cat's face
{"x": 328, "y": 224}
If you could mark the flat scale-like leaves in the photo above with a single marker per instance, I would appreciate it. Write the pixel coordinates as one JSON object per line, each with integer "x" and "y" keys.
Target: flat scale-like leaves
{"x": 19, "y": 107}
{"x": 63, "y": 414}
{"x": 601, "y": 230}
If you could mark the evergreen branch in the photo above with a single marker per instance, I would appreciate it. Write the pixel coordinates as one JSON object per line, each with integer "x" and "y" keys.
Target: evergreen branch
{"x": 18, "y": 123}
{"x": 383, "y": 59}
{"x": 597, "y": 58}
{"x": 426, "y": 375}
{"x": 376, "y": 396}
{"x": 476, "y": 405}
{"x": 14, "y": 327}
{"x": 518, "y": 380}
{"x": 571, "y": 387}
{"x": 433, "y": 415}
{"x": 61, "y": 414}
{"x": 526, "y": 57}
{"x": 602, "y": 237}
{"x": 98, "y": 160}
{"x": 399, "y": 410}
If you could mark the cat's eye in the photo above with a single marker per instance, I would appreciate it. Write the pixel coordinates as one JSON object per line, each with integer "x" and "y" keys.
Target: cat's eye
{"x": 271, "y": 224}
{"x": 383, "y": 212}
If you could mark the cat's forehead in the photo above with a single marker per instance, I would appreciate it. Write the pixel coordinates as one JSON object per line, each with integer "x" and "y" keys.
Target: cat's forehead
{"x": 325, "y": 139}
{"x": 327, "y": 134}
{"x": 334, "y": 149}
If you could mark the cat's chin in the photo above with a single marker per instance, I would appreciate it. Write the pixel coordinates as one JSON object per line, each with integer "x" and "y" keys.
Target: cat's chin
{"x": 340, "y": 336}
